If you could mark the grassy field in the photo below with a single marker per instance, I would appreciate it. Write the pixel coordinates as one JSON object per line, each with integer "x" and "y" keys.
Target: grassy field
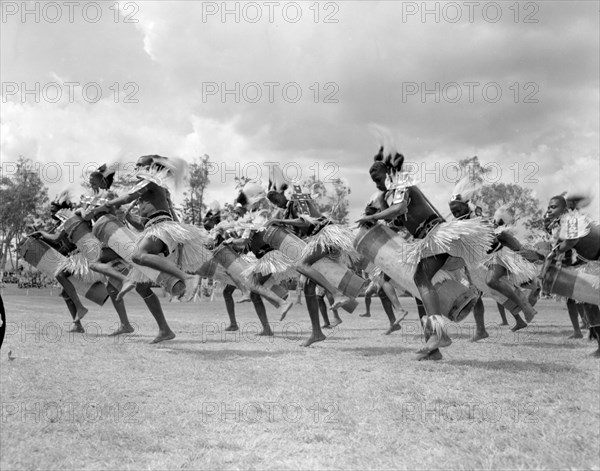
{"x": 215, "y": 400}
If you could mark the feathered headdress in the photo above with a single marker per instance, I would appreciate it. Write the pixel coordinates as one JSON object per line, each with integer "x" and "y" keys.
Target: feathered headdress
{"x": 464, "y": 190}
{"x": 63, "y": 199}
{"x": 578, "y": 199}
{"x": 108, "y": 174}
{"x": 161, "y": 170}
{"x": 251, "y": 193}
{"x": 388, "y": 153}
{"x": 504, "y": 216}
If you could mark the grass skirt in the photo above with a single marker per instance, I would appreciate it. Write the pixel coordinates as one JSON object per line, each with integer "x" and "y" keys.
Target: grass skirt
{"x": 332, "y": 238}
{"x": 469, "y": 240}
{"x": 187, "y": 244}
{"x": 274, "y": 263}
{"x": 519, "y": 270}
{"x": 79, "y": 267}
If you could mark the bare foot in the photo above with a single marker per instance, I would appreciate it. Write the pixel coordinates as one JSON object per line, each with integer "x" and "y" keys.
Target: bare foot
{"x": 480, "y": 334}
{"x": 596, "y": 354}
{"x": 123, "y": 329}
{"x": 162, "y": 336}
{"x": 337, "y": 321}
{"x": 266, "y": 332}
{"x": 77, "y": 328}
{"x": 192, "y": 284}
{"x": 232, "y": 328}
{"x": 400, "y": 319}
{"x": 313, "y": 338}
{"x": 340, "y": 301}
{"x": 128, "y": 285}
{"x": 245, "y": 297}
{"x": 366, "y": 314}
{"x": 393, "y": 328}
{"x": 284, "y": 309}
{"x": 326, "y": 326}
{"x": 519, "y": 325}
{"x": 576, "y": 335}
{"x": 349, "y": 305}
{"x": 504, "y": 323}
{"x": 81, "y": 313}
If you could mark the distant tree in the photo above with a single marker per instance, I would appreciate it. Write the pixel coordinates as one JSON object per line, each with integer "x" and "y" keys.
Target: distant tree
{"x": 331, "y": 198}
{"x": 23, "y": 197}
{"x": 193, "y": 204}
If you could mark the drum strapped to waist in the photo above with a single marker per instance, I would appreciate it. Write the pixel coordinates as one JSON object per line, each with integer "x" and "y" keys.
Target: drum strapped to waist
{"x": 47, "y": 260}
{"x": 572, "y": 284}
{"x": 346, "y": 281}
{"x": 380, "y": 245}
{"x": 80, "y": 233}
{"x": 123, "y": 241}
{"x": 234, "y": 264}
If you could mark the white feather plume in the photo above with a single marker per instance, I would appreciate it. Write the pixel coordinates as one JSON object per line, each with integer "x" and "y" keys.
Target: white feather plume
{"x": 384, "y": 138}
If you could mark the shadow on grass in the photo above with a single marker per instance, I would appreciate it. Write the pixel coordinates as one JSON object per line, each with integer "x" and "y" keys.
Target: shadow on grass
{"x": 576, "y": 344}
{"x": 222, "y": 353}
{"x": 378, "y": 351}
{"x": 514, "y": 366}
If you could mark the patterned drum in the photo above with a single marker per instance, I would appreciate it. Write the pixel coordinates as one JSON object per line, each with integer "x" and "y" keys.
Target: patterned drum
{"x": 381, "y": 246}
{"x": 47, "y": 260}
{"x": 573, "y": 284}
{"x": 346, "y": 281}
{"x": 123, "y": 241}
{"x": 235, "y": 265}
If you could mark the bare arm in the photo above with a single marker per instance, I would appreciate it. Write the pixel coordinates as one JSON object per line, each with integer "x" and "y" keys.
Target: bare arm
{"x": 298, "y": 222}
{"x": 387, "y": 214}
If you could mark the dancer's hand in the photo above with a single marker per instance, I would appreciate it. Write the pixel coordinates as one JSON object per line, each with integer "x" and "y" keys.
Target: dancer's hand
{"x": 36, "y": 235}
{"x": 364, "y": 220}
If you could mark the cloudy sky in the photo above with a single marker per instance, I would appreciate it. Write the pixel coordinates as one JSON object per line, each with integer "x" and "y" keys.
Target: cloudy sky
{"x": 298, "y": 83}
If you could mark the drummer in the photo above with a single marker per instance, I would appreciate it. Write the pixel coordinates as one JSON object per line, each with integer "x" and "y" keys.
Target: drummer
{"x": 301, "y": 214}
{"x": 163, "y": 234}
{"x": 60, "y": 209}
{"x": 577, "y": 235}
{"x": 270, "y": 262}
{"x": 434, "y": 239}
{"x": 116, "y": 268}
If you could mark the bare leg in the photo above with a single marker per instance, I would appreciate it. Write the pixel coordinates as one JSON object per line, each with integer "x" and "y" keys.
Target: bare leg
{"x": 520, "y": 323}
{"x": 313, "y": 311}
{"x": 426, "y": 270}
{"x": 478, "y": 314}
{"x": 283, "y": 306}
{"x": 318, "y": 278}
{"x": 146, "y": 255}
{"x": 261, "y": 312}
{"x": 336, "y": 317}
{"x": 436, "y": 354}
{"x": 63, "y": 279}
{"x": 368, "y": 296}
{"x": 574, "y": 316}
{"x": 502, "y": 312}
{"x": 388, "y": 308}
{"x": 230, "y": 306}
{"x": 496, "y": 279}
{"x": 125, "y": 327}
{"x": 323, "y": 309}
{"x": 391, "y": 294}
{"x": 153, "y": 304}
{"x": 77, "y": 327}
{"x": 582, "y": 313}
